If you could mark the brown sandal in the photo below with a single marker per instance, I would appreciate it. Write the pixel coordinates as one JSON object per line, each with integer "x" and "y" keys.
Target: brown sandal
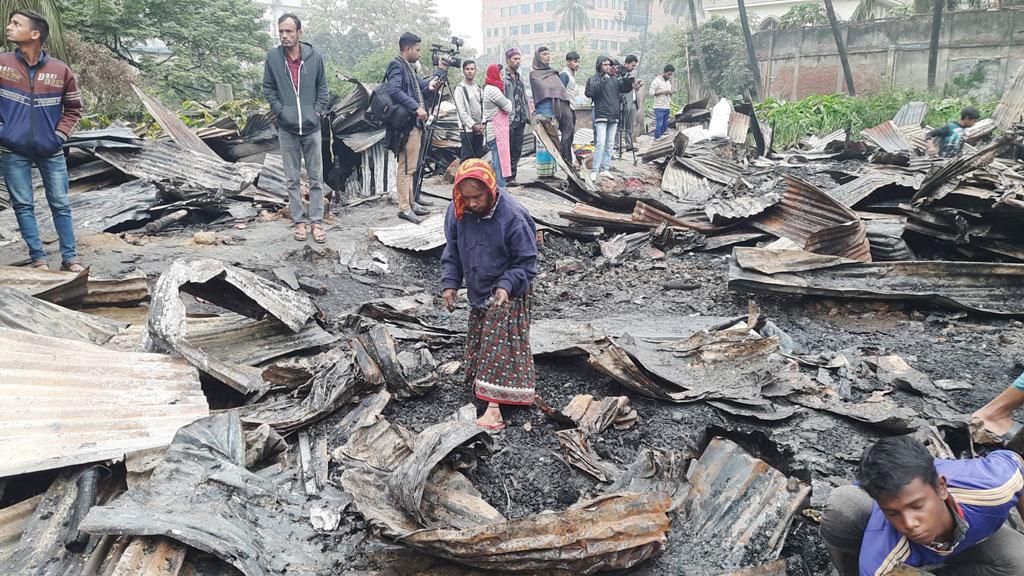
{"x": 300, "y": 232}
{"x": 72, "y": 267}
{"x": 40, "y": 265}
{"x": 319, "y": 236}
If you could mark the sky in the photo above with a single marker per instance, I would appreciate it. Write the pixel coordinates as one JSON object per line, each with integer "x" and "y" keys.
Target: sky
{"x": 465, "y": 18}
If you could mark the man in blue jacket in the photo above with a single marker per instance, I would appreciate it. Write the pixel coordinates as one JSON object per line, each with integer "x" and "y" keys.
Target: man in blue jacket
{"x": 910, "y": 509}
{"x": 295, "y": 85}
{"x": 411, "y": 95}
{"x": 40, "y": 106}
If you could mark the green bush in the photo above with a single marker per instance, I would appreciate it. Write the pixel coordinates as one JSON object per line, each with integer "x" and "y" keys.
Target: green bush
{"x": 824, "y": 113}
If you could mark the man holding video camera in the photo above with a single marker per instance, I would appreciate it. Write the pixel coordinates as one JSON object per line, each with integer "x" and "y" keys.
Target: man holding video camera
{"x": 410, "y": 96}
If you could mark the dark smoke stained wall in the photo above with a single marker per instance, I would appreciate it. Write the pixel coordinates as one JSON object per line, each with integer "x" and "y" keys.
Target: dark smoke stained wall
{"x": 979, "y": 53}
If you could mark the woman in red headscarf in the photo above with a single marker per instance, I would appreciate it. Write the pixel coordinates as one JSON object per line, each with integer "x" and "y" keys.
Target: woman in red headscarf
{"x": 496, "y": 110}
{"x": 492, "y": 248}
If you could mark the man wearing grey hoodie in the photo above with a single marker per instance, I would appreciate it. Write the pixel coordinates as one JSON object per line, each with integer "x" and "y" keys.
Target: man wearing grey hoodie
{"x": 295, "y": 85}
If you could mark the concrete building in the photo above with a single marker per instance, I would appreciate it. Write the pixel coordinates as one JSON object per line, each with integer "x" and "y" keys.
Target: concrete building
{"x": 527, "y": 25}
{"x": 768, "y": 12}
{"x": 274, "y": 9}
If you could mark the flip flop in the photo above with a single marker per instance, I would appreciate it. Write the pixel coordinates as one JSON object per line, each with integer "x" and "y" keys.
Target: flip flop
{"x": 319, "y": 236}
{"x": 1012, "y": 439}
{"x": 493, "y": 427}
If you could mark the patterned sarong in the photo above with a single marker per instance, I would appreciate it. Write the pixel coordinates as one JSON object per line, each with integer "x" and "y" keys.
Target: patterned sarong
{"x": 499, "y": 362}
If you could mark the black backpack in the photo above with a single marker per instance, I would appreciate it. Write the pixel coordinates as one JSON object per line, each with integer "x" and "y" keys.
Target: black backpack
{"x": 385, "y": 113}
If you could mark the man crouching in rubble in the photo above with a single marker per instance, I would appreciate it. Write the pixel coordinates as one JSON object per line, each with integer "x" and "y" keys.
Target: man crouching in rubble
{"x": 492, "y": 244}
{"x": 947, "y": 516}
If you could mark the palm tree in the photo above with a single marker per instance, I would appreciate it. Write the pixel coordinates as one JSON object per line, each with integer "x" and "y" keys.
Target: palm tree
{"x": 574, "y": 15}
{"x": 840, "y": 47}
{"x": 47, "y": 9}
{"x": 755, "y": 71}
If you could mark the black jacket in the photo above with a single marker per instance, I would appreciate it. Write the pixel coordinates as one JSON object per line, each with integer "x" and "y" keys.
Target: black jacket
{"x": 606, "y": 92}
{"x": 297, "y": 112}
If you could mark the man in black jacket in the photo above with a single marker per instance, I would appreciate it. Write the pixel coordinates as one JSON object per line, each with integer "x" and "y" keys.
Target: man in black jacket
{"x": 295, "y": 85}
{"x": 411, "y": 95}
{"x": 605, "y": 89}
{"x": 515, "y": 91}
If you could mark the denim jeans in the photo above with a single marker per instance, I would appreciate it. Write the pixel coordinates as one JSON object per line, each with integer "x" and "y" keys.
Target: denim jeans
{"x": 17, "y": 171}
{"x": 661, "y": 117}
{"x": 293, "y": 149}
{"x": 604, "y": 133}
{"x": 496, "y": 164}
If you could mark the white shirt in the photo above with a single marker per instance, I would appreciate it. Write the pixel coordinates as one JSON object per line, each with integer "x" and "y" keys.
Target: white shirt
{"x": 661, "y": 85}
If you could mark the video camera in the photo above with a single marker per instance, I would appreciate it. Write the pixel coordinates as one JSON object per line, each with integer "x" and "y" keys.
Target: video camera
{"x": 447, "y": 54}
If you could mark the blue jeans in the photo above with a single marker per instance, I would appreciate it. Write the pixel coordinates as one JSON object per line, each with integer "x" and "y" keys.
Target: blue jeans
{"x": 661, "y": 119}
{"x": 496, "y": 163}
{"x": 17, "y": 171}
{"x": 604, "y": 133}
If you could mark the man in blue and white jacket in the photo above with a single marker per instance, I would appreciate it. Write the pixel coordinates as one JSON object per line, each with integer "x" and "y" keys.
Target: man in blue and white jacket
{"x": 910, "y": 509}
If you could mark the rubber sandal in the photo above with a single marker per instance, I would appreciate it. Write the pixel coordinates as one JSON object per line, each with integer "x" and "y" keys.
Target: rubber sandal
{"x": 1013, "y": 439}
{"x": 40, "y": 265}
{"x": 299, "y": 233}
{"x": 319, "y": 236}
{"x": 72, "y": 267}
{"x": 494, "y": 427}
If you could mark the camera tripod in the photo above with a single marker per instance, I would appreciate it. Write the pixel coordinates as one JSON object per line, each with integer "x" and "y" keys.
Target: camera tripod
{"x": 623, "y": 117}
{"x": 428, "y": 128}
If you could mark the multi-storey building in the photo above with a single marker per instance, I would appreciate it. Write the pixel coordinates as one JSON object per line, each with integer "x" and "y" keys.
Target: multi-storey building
{"x": 612, "y": 25}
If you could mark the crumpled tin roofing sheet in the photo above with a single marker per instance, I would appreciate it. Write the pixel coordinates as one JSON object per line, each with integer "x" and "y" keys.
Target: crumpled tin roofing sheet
{"x": 980, "y": 286}
{"x": 887, "y": 137}
{"x": 1010, "y": 108}
{"x": 173, "y": 125}
{"x": 911, "y": 114}
{"x": 812, "y": 219}
{"x": 740, "y": 504}
{"x": 416, "y": 237}
{"x": 363, "y": 141}
{"x": 160, "y": 160}
{"x": 65, "y": 402}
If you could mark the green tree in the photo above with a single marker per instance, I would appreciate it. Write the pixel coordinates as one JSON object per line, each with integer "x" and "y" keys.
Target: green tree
{"x": 572, "y": 14}
{"x": 48, "y": 9}
{"x": 209, "y": 42}
{"x": 359, "y": 37}
{"x": 806, "y": 14}
{"x": 728, "y": 71}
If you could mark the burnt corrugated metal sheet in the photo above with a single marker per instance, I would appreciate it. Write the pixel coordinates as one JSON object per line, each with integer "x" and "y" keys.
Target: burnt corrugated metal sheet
{"x": 978, "y": 286}
{"x": 547, "y": 135}
{"x": 942, "y": 179}
{"x": 64, "y": 402}
{"x": 49, "y": 285}
{"x": 272, "y": 179}
{"x": 363, "y": 141}
{"x": 1010, "y": 108}
{"x": 159, "y": 160}
{"x": 860, "y": 188}
{"x": 887, "y": 137}
{"x": 416, "y": 237}
{"x": 690, "y": 188}
{"x": 173, "y": 126}
{"x": 712, "y": 168}
{"x": 911, "y": 114}
{"x": 740, "y": 504}
{"x": 739, "y": 125}
{"x": 13, "y": 520}
{"x": 19, "y": 311}
{"x": 981, "y": 129}
{"x": 586, "y": 214}
{"x": 812, "y": 219}
{"x": 819, "y": 143}
{"x": 113, "y": 136}
{"x": 240, "y": 340}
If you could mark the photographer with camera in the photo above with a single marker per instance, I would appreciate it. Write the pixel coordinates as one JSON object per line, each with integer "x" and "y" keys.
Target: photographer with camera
{"x": 605, "y": 89}
{"x": 552, "y": 102}
{"x": 631, "y": 102}
{"x": 410, "y": 97}
{"x": 469, "y": 103}
{"x": 515, "y": 91}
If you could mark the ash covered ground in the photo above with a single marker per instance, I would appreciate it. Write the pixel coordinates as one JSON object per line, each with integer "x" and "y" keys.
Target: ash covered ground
{"x": 525, "y": 474}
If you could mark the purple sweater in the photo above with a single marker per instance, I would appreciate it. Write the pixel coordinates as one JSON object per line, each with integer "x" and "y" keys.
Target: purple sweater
{"x": 490, "y": 252}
